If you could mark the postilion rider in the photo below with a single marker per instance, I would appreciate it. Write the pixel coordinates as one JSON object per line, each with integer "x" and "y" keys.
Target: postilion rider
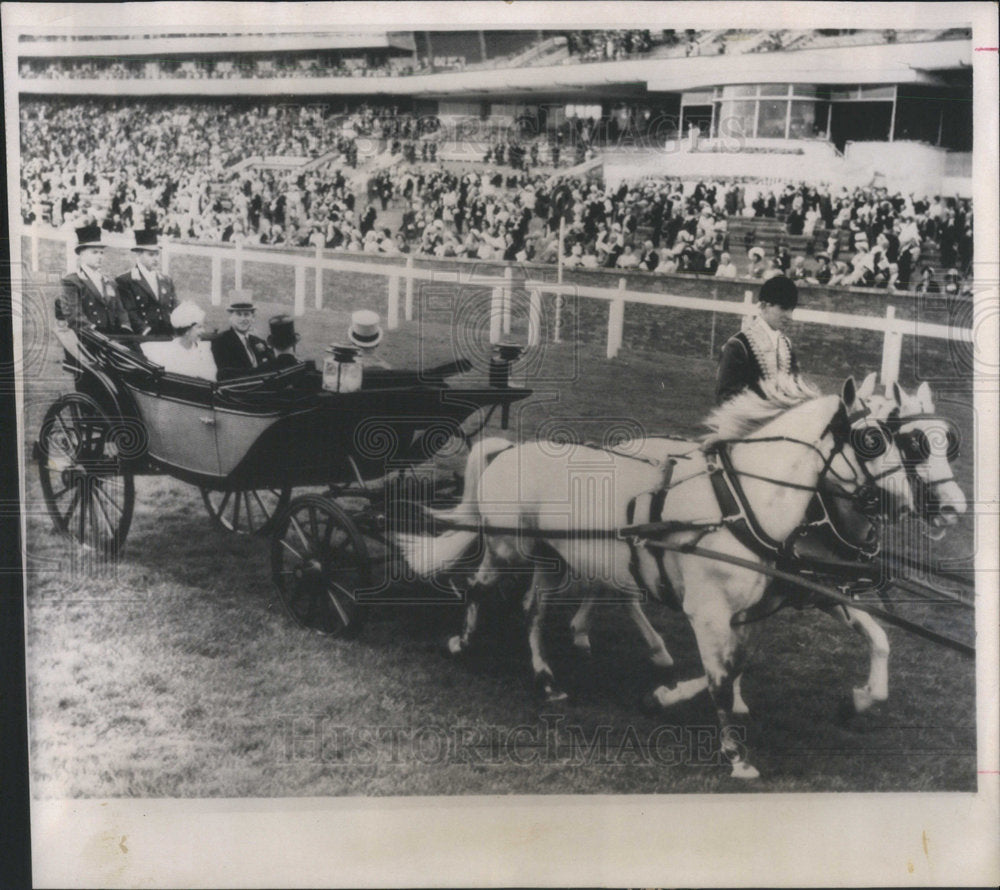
{"x": 761, "y": 351}
{"x": 146, "y": 293}
{"x": 89, "y": 298}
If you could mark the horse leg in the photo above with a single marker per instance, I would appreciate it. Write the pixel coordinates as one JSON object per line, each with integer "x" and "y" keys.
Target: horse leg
{"x": 483, "y": 580}
{"x": 658, "y": 653}
{"x": 543, "y": 582}
{"x": 580, "y": 625}
{"x": 723, "y": 652}
{"x": 877, "y": 688}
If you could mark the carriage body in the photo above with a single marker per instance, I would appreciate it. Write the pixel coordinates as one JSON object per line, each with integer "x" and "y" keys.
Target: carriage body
{"x": 246, "y": 443}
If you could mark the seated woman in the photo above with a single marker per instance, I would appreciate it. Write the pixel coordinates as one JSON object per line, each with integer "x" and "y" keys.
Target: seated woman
{"x": 187, "y": 353}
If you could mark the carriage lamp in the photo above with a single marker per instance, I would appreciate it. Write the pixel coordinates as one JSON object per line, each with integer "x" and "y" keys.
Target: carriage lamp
{"x": 506, "y": 354}
{"x": 340, "y": 372}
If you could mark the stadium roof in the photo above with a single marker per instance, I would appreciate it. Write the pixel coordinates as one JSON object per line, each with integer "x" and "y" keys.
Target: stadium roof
{"x": 903, "y": 63}
{"x": 138, "y": 45}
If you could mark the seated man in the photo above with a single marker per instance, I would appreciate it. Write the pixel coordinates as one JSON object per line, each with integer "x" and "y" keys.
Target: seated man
{"x": 282, "y": 340}
{"x": 237, "y": 352}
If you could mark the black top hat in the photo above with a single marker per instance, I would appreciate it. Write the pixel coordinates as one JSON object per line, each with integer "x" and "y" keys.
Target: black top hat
{"x": 780, "y": 291}
{"x": 282, "y": 332}
{"x": 88, "y": 236}
{"x": 145, "y": 239}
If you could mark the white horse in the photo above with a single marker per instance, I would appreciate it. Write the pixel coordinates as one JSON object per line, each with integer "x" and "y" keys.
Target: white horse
{"x": 540, "y": 505}
{"x": 927, "y": 445}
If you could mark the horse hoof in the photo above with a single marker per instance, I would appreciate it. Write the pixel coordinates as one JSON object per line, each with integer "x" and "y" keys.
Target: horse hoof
{"x": 662, "y": 660}
{"x": 864, "y": 701}
{"x": 743, "y": 770}
{"x": 581, "y": 645}
{"x": 552, "y": 696}
{"x": 660, "y": 699}
{"x": 452, "y": 646}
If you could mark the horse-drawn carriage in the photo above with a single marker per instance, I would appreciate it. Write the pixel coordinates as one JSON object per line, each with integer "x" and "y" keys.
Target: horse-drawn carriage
{"x": 246, "y": 443}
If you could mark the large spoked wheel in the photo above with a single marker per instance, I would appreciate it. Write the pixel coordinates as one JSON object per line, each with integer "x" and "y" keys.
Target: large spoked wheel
{"x": 250, "y": 512}
{"x": 319, "y": 562}
{"x": 89, "y": 489}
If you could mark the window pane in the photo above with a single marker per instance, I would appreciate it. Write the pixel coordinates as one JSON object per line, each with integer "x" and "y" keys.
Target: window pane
{"x": 878, "y": 92}
{"x": 803, "y": 89}
{"x": 738, "y": 90}
{"x": 846, "y": 93}
{"x": 696, "y": 97}
{"x": 737, "y": 119}
{"x": 774, "y": 89}
{"x": 803, "y": 120}
{"x": 771, "y": 122}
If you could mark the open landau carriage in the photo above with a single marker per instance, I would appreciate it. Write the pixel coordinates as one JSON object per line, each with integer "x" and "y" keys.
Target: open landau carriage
{"x": 246, "y": 443}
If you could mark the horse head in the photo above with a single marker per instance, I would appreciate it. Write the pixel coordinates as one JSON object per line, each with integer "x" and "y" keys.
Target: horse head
{"x": 928, "y": 443}
{"x": 877, "y": 478}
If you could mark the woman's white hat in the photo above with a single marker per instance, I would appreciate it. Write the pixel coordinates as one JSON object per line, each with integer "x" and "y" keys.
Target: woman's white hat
{"x": 187, "y": 314}
{"x": 365, "y": 328}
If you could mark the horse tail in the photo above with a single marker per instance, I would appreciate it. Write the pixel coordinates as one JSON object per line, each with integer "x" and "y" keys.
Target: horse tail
{"x": 427, "y": 554}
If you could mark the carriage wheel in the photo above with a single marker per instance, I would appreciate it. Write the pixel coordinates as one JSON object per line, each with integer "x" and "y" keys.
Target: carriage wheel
{"x": 249, "y": 512}
{"x": 89, "y": 491}
{"x": 318, "y": 563}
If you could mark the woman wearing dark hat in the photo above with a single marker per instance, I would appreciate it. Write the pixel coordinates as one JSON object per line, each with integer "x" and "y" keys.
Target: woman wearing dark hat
{"x": 761, "y": 351}
{"x": 146, "y": 293}
{"x": 88, "y": 297}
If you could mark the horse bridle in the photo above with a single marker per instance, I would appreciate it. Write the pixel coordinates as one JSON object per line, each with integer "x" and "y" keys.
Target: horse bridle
{"x": 915, "y": 448}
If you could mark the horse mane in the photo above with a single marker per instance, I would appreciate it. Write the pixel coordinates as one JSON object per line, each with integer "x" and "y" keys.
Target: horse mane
{"x": 747, "y": 412}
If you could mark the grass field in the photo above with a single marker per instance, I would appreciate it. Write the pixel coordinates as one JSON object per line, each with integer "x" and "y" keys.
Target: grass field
{"x": 174, "y": 674}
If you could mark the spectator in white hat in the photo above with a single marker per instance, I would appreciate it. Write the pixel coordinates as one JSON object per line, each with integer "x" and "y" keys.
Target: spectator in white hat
{"x": 366, "y": 334}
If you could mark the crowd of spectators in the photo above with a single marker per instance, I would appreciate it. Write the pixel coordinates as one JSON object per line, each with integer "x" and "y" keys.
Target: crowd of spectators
{"x": 607, "y": 46}
{"x": 174, "y": 166}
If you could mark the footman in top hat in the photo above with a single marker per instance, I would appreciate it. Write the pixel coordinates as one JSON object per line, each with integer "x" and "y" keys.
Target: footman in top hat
{"x": 238, "y": 352}
{"x": 282, "y": 341}
{"x": 366, "y": 333}
{"x": 146, "y": 293}
{"x": 88, "y": 296}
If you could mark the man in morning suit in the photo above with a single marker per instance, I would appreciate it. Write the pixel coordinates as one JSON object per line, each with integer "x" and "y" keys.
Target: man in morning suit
{"x": 760, "y": 351}
{"x": 237, "y": 351}
{"x": 146, "y": 293}
{"x": 88, "y": 297}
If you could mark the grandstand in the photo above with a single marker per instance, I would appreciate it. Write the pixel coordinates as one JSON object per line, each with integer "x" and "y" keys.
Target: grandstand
{"x": 439, "y": 118}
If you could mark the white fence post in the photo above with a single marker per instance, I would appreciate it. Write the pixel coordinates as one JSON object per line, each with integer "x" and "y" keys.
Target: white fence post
{"x": 165, "y": 255}
{"x": 319, "y": 276}
{"x": 392, "y": 316}
{"x": 616, "y": 322}
{"x": 70, "y": 255}
{"x": 535, "y": 317}
{"x": 892, "y": 351}
{"x": 408, "y": 305}
{"x": 508, "y": 297}
{"x": 300, "y": 288}
{"x": 238, "y": 265}
{"x": 216, "y": 279}
{"x": 496, "y": 315}
{"x": 34, "y": 248}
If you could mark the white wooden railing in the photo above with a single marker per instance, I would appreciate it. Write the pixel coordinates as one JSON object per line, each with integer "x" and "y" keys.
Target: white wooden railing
{"x": 401, "y": 277}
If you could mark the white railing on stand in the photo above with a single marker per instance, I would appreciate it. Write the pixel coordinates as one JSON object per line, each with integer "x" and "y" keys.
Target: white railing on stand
{"x": 892, "y": 328}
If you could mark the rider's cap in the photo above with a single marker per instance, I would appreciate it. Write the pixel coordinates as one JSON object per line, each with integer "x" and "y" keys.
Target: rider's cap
{"x": 187, "y": 314}
{"x": 241, "y": 306}
{"x": 88, "y": 236}
{"x": 780, "y": 291}
{"x": 365, "y": 328}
